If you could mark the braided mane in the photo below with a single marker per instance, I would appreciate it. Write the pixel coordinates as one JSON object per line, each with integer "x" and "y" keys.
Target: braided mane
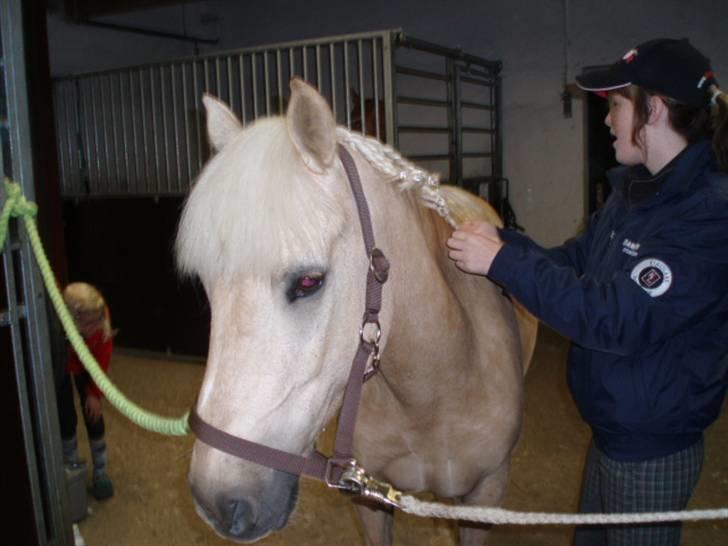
{"x": 399, "y": 170}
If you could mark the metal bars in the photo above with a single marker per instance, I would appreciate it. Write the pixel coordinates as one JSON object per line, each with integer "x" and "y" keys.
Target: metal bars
{"x": 140, "y": 131}
{"x": 24, "y": 338}
{"x": 448, "y": 108}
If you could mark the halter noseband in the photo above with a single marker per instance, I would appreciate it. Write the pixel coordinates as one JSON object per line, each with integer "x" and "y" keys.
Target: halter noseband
{"x": 340, "y": 471}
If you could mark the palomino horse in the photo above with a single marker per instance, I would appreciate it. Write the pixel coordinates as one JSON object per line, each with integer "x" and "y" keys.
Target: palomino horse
{"x": 271, "y": 229}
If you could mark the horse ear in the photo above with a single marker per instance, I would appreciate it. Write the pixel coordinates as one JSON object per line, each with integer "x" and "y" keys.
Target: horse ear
{"x": 222, "y": 124}
{"x": 311, "y": 126}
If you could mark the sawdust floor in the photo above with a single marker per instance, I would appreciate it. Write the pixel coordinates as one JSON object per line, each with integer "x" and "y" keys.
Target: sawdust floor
{"x": 153, "y": 506}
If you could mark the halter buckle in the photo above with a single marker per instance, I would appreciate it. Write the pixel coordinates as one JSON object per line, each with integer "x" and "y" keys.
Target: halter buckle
{"x": 379, "y": 265}
{"x": 347, "y": 465}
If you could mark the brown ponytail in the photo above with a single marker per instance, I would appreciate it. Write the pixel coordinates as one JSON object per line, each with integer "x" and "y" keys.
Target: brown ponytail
{"x": 720, "y": 127}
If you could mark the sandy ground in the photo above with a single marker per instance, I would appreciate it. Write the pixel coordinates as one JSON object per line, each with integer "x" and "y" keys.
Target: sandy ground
{"x": 153, "y": 506}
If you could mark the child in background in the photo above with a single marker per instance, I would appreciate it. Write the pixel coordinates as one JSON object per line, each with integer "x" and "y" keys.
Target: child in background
{"x": 91, "y": 315}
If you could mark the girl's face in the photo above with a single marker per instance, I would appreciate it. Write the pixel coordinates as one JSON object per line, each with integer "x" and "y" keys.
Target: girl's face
{"x": 88, "y": 322}
{"x": 620, "y": 119}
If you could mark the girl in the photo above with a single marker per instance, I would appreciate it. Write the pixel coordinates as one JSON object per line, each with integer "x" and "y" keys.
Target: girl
{"x": 91, "y": 315}
{"x": 643, "y": 293}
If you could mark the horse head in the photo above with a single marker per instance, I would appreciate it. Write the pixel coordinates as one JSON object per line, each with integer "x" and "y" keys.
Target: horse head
{"x": 271, "y": 230}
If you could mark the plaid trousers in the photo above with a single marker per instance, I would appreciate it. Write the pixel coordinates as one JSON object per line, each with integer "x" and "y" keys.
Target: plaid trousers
{"x": 655, "y": 485}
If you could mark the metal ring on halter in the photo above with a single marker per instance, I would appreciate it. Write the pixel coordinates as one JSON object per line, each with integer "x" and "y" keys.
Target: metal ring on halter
{"x": 377, "y": 332}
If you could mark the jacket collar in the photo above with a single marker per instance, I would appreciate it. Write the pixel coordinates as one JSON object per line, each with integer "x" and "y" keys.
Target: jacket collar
{"x": 637, "y": 185}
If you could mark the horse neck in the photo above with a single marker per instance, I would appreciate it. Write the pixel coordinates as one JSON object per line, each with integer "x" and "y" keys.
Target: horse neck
{"x": 429, "y": 330}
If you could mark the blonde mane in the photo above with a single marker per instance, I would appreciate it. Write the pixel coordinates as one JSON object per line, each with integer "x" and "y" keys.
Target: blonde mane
{"x": 399, "y": 170}
{"x": 229, "y": 225}
{"x": 452, "y": 204}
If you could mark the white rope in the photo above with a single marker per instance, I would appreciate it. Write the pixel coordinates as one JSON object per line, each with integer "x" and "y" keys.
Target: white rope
{"x": 482, "y": 514}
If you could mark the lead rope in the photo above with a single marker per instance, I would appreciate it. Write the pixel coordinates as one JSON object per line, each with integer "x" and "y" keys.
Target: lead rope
{"x": 483, "y": 514}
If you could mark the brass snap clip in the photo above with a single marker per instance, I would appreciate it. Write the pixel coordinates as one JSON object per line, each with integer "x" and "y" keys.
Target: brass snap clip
{"x": 355, "y": 481}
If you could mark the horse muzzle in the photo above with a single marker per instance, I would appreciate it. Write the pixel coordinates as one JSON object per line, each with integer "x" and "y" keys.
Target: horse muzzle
{"x": 244, "y": 516}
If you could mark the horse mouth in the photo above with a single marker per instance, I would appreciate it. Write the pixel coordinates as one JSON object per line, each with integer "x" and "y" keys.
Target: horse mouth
{"x": 245, "y": 519}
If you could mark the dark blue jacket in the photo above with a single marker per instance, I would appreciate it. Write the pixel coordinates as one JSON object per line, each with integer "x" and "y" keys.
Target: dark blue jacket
{"x": 643, "y": 295}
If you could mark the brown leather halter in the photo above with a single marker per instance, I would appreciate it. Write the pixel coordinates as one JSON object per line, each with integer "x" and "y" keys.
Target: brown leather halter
{"x": 341, "y": 470}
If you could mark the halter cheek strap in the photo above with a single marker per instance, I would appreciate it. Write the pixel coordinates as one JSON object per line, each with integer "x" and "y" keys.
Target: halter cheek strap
{"x": 341, "y": 470}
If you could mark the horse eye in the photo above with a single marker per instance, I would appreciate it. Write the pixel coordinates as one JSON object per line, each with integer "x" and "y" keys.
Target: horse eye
{"x": 305, "y": 285}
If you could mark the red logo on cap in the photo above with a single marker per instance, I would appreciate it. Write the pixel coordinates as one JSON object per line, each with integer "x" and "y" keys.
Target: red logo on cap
{"x": 629, "y": 56}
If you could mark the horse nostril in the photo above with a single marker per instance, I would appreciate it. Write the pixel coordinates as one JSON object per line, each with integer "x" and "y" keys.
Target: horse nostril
{"x": 237, "y": 516}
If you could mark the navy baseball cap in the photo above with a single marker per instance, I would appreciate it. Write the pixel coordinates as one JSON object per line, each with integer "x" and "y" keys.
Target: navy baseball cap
{"x": 673, "y": 68}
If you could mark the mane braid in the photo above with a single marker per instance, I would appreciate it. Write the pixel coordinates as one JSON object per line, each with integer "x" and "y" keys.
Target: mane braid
{"x": 406, "y": 174}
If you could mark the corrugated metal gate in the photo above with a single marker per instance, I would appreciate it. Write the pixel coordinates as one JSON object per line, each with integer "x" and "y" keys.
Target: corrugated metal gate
{"x": 140, "y": 130}
{"x": 27, "y": 376}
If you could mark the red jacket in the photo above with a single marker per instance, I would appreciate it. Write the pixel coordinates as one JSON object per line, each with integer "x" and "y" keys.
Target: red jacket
{"x": 100, "y": 349}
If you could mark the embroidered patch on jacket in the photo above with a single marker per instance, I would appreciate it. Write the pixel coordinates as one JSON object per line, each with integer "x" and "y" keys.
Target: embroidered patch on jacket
{"x": 653, "y": 276}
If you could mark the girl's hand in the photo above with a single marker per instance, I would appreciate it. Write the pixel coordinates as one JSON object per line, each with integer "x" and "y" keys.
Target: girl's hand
{"x": 93, "y": 408}
{"x": 473, "y": 247}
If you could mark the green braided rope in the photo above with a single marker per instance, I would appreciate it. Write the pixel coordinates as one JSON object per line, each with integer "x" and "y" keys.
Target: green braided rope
{"x": 17, "y": 206}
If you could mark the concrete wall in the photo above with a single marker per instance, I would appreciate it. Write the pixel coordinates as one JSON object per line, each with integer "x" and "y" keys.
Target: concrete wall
{"x": 542, "y": 45}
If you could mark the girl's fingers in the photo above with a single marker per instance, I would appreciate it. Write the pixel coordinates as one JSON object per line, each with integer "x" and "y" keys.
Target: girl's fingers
{"x": 456, "y": 242}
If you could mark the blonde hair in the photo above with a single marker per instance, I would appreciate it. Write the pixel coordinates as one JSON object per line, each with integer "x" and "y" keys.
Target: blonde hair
{"x": 81, "y": 297}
